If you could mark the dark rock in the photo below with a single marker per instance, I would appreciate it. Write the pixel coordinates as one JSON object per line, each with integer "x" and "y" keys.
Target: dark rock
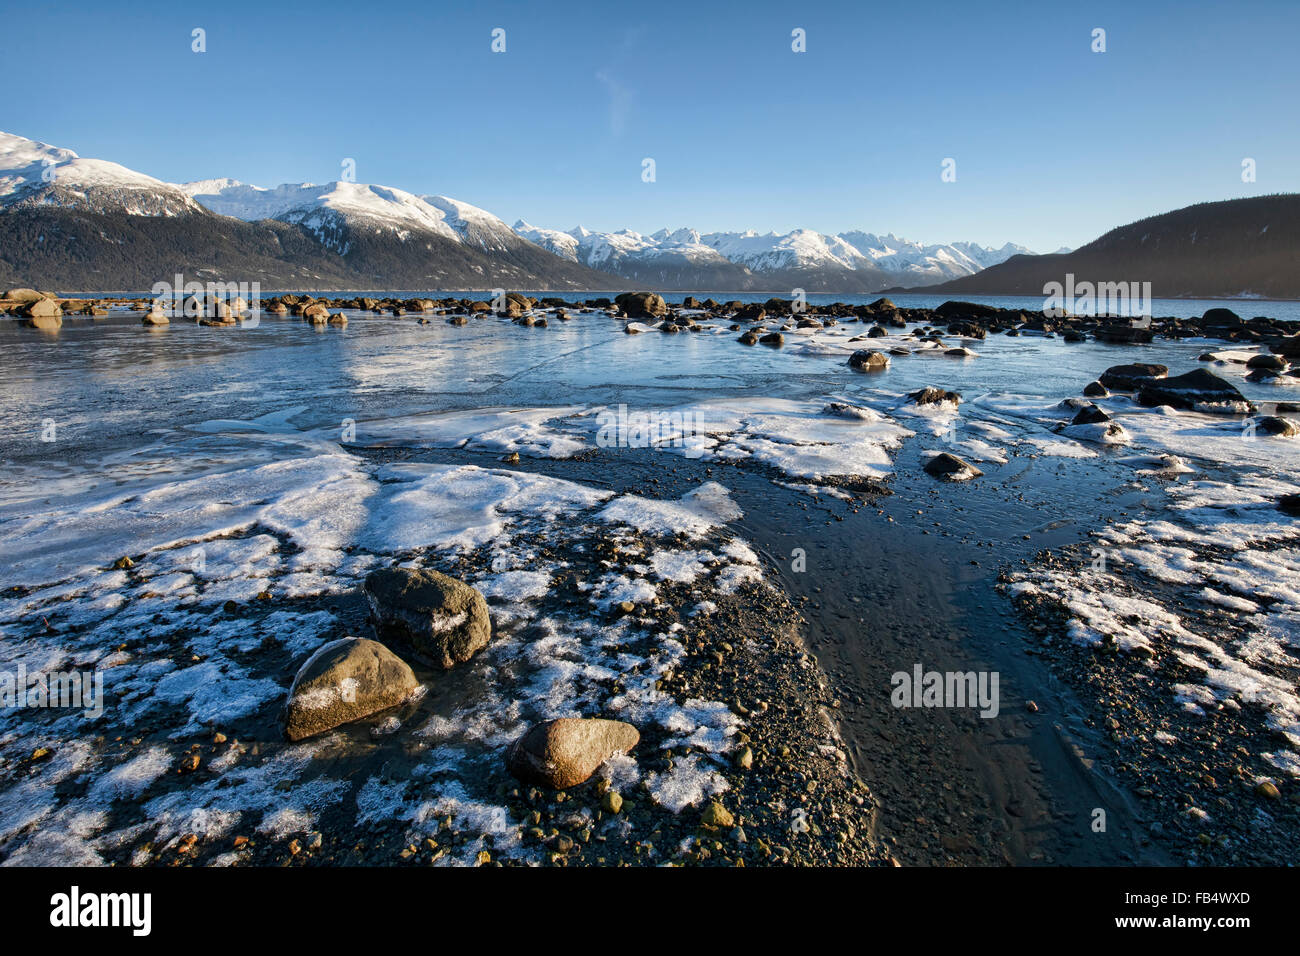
{"x": 933, "y": 396}
{"x": 868, "y": 359}
{"x": 445, "y": 621}
{"x": 951, "y": 468}
{"x": 1130, "y": 378}
{"x": 1198, "y": 389}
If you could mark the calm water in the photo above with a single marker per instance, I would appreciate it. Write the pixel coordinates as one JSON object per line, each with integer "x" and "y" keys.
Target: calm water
{"x": 122, "y": 399}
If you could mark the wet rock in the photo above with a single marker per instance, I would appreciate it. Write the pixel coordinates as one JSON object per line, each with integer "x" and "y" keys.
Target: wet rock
{"x": 563, "y": 753}
{"x": 343, "y": 681}
{"x": 1090, "y": 416}
{"x": 642, "y": 304}
{"x": 1268, "y": 362}
{"x": 1276, "y": 426}
{"x": 951, "y": 468}
{"x": 868, "y": 359}
{"x": 1199, "y": 390}
{"x": 933, "y": 396}
{"x": 1220, "y": 319}
{"x": 317, "y": 314}
{"x": 41, "y": 314}
{"x": 774, "y": 339}
{"x": 749, "y": 338}
{"x": 1289, "y": 504}
{"x": 961, "y": 352}
{"x": 155, "y": 316}
{"x": 1130, "y": 378}
{"x": 1095, "y": 390}
{"x": 445, "y": 621}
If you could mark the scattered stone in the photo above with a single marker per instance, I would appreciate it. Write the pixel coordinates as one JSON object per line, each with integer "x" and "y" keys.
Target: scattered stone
{"x": 445, "y": 621}
{"x": 611, "y": 802}
{"x": 868, "y": 359}
{"x": 343, "y": 681}
{"x": 933, "y": 396}
{"x": 716, "y": 815}
{"x": 951, "y": 468}
{"x": 563, "y": 753}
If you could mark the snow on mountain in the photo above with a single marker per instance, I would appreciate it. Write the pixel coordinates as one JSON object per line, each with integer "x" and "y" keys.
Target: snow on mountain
{"x": 320, "y": 208}
{"x": 627, "y": 252}
{"x": 554, "y": 241}
{"x": 801, "y": 249}
{"x": 33, "y": 173}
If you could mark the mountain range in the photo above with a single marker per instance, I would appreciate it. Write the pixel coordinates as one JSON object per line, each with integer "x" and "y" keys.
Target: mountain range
{"x": 92, "y": 224}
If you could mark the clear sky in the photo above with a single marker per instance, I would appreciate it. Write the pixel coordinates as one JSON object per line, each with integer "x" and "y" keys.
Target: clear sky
{"x": 1054, "y": 144}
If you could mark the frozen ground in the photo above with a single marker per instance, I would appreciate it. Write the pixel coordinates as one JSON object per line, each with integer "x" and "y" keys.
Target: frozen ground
{"x": 233, "y": 467}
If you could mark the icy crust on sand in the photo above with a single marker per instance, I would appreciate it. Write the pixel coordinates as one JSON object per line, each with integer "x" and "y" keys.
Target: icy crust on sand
{"x": 178, "y": 665}
{"x": 1213, "y": 583}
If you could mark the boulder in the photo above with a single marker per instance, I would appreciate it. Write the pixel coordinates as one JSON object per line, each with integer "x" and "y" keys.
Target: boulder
{"x": 749, "y": 338}
{"x": 1289, "y": 504}
{"x": 642, "y": 304}
{"x": 41, "y": 314}
{"x": 24, "y": 295}
{"x": 1130, "y": 378}
{"x": 774, "y": 339}
{"x": 1220, "y": 318}
{"x": 1277, "y": 427}
{"x": 317, "y": 313}
{"x": 1199, "y": 390}
{"x": 1095, "y": 390}
{"x": 155, "y": 317}
{"x": 1268, "y": 362}
{"x": 933, "y": 396}
{"x": 1090, "y": 416}
{"x": 868, "y": 359}
{"x": 443, "y": 620}
{"x": 951, "y": 468}
{"x": 563, "y": 753}
{"x": 343, "y": 681}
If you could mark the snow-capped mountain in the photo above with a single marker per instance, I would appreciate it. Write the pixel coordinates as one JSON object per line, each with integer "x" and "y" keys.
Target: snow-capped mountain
{"x": 382, "y": 235}
{"x": 116, "y": 228}
{"x": 833, "y": 263}
{"x": 37, "y": 174}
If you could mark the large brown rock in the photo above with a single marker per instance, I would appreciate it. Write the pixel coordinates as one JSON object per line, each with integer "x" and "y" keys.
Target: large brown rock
{"x": 345, "y": 680}
{"x": 642, "y": 304}
{"x": 445, "y": 621}
{"x": 42, "y": 314}
{"x": 563, "y": 753}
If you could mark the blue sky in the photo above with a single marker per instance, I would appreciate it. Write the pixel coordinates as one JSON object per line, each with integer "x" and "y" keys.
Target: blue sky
{"x": 1054, "y": 144}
